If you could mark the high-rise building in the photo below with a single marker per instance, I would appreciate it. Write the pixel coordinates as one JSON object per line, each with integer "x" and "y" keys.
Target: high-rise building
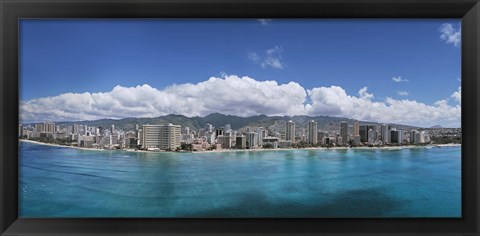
{"x": 208, "y": 128}
{"x": 312, "y": 132}
{"x": 261, "y": 133}
{"x": 320, "y": 136}
{"x": 290, "y": 131}
{"x": 219, "y": 131}
{"x": 49, "y": 127}
{"x": 76, "y": 129}
{"x": 363, "y": 132}
{"x": 241, "y": 142}
{"x": 372, "y": 135}
{"x": 384, "y": 132}
{"x": 225, "y": 141}
{"x": 166, "y": 137}
{"x": 344, "y": 132}
{"x": 112, "y": 129}
{"x": 356, "y": 128}
{"x": 252, "y": 140}
{"x": 356, "y": 140}
{"x": 412, "y": 136}
{"x": 396, "y": 136}
{"x": 40, "y": 128}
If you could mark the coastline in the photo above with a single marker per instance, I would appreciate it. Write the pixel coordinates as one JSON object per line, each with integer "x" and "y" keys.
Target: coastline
{"x": 331, "y": 148}
{"x": 251, "y": 150}
{"x": 64, "y": 146}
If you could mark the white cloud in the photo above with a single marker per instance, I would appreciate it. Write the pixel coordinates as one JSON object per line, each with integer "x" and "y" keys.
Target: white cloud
{"x": 399, "y": 79}
{"x": 253, "y": 56}
{"x": 450, "y": 34}
{"x": 402, "y": 93}
{"x": 334, "y": 101}
{"x": 241, "y": 96}
{"x": 457, "y": 95}
{"x": 273, "y": 58}
{"x": 265, "y": 22}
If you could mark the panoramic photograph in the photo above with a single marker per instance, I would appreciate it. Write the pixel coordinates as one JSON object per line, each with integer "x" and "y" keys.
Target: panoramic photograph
{"x": 240, "y": 118}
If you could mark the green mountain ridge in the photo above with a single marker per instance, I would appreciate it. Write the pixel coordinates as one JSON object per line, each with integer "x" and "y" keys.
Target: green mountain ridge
{"x": 220, "y": 120}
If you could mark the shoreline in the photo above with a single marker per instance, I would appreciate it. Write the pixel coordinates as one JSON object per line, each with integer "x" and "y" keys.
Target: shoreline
{"x": 248, "y": 150}
{"x": 331, "y": 148}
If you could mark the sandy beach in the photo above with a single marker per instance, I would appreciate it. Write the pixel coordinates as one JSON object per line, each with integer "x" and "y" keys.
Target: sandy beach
{"x": 65, "y": 146}
{"x": 252, "y": 150}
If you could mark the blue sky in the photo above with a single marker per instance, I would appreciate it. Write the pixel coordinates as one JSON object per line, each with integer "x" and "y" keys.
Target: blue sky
{"x": 94, "y": 56}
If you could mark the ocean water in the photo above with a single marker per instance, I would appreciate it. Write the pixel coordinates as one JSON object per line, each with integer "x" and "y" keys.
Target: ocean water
{"x": 411, "y": 182}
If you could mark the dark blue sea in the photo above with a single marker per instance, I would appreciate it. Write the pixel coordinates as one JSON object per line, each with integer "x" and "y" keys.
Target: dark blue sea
{"x": 408, "y": 182}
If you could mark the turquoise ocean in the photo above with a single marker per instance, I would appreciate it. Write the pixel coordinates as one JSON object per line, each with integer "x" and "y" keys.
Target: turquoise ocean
{"x": 390, "y": 183}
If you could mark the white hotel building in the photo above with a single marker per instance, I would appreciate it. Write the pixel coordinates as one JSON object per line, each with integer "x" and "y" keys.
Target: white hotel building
{"x": 164, "y": 137}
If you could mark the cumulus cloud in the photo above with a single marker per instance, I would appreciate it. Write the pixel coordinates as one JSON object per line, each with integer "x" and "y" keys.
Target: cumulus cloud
{"x": 334, "y": 101}
{"x": 450, "y": 34}
{"x": 241, "y": 96}
{"x": 264, "y": 22}
{"x": 234, "y": 95}
{"x": 402, "y": 93}
{"x": 457, "y": 95}
{"x": 399, "y": 79}
{"x": 273, "y": 58}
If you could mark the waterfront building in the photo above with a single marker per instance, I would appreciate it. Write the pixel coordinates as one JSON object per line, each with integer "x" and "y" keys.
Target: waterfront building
{"x": 252, "y": 140}
{"x": 412, "y": 136}
{"x": 371, "y": 136}
{"x": 86, "y": 141}
{"x": 356, "y": 140}
{"x": 112, "y": 129}
{"x": 417, "y": 138}
{"x": 312, "y": 132}
{"x": 271, "y": 140}
{"x": 320, "y": 136}
{"x": 344, "y": 132}
{"x": 284, "y": 144}
{"x": 49, "y": 127}
{"x": 363, "y": 132}
{"x": 165, "y": 137}
{"x": 290, "y": 131}
{"x": 328, "y": 140}
{"x": 241, "y": 141}
{"x": 339, "y": 141}
{"x": 396, "y": 136}
{"x": 384, "y": 132}
{"x": 260, "y": 136}
{"x": 356, "y": 129}
{"x": 224, "y": 141}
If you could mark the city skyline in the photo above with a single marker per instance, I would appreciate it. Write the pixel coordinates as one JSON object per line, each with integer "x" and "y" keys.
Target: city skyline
{"x": 382, "y": 79}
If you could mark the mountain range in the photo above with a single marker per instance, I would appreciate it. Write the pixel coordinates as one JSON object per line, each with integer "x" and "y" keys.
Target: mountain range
{"x": 274, "y": 123}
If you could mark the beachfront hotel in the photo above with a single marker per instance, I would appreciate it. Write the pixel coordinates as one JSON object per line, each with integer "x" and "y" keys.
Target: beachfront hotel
{"x": 164, "y": 137}
{"x": 290, "y": 131}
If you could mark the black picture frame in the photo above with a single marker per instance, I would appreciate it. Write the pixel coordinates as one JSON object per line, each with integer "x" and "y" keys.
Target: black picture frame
{"x": 13, "y": 10}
